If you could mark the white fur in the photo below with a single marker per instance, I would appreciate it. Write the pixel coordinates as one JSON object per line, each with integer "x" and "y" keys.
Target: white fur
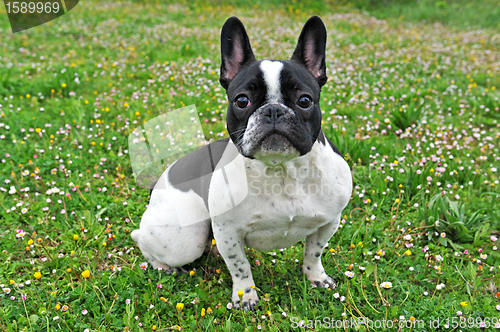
{"x": 272, "y": 73}
{"x": 175, "y": 227}
{"x": 277, "y": 213}
{"x": 283, "y": 200}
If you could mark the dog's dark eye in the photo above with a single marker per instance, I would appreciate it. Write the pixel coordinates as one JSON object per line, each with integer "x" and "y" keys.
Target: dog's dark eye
{"x": 242, "y": 102}
{"x": 304, "y": 102}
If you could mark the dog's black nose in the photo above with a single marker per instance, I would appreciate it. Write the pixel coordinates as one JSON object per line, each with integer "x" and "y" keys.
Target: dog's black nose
{"x": 273, "y": 112}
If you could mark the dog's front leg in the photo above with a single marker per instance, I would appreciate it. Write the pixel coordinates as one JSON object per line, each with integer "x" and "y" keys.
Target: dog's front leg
{"x": 232, "y": 248}
{"x": 315, "y": 243}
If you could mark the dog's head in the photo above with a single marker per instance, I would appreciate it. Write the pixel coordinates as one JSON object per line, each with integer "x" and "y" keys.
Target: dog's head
{"x": 273, "y": 112}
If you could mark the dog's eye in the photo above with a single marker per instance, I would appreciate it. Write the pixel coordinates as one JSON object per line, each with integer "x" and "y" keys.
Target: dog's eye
{"x": 242, "y": 102}
{"x": 304, "y": 102}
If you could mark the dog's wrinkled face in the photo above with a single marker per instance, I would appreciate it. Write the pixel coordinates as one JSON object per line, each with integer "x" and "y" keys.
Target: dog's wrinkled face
{"x": 273, "y": 112}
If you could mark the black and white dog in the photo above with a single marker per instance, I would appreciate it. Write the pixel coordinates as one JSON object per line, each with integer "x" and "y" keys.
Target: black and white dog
{"x": 274, "y": 182}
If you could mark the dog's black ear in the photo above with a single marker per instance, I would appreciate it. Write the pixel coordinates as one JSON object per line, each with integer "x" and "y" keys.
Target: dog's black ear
{"x": 235, "y": 50}
{"x": 310, "y": 50}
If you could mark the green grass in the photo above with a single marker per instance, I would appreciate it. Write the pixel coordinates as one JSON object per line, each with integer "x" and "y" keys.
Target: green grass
{"x": 457, "y": 13}
{"x": 414, "y": 107}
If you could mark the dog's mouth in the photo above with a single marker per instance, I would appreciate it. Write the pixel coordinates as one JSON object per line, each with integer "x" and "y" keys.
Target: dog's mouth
{"x": 276, "y": 148}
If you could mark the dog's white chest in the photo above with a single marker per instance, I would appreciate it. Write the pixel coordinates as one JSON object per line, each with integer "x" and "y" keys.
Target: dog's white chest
{"x": 285, "y": 203}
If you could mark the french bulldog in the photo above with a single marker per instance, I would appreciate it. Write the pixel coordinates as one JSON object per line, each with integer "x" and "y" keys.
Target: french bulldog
{"x": 275, "y": 181}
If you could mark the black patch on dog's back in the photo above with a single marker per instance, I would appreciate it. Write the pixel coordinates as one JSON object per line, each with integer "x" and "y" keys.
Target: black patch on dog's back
{"x": 194, "y": 171}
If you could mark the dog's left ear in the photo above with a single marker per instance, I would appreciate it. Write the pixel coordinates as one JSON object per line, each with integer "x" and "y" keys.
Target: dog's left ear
{"x": 310, "y": 50}
{"x": 235, "y": 50}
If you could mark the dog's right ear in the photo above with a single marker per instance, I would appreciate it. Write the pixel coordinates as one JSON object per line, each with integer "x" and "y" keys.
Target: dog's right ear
{"x": 235, "y": 50}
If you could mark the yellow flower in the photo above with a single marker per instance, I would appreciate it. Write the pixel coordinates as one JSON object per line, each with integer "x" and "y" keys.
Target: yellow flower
{"x": 12, "y": 282}
{"x": 463, "y": 304}
{"x": 240, "y": 294}
{"x": 38, "y": 275}
{"x": 412, "y": 318}
{"x": 180, "y": 306}
{"x": 203, "y": 312}
{"x": 153, "y": 327}
{"x": 86, "y": 274}
{"x": 30, "y": 242}
{"x": 213, "y": 242}
{"x": 63, "y": 85}
{"x": 209, "y": 311}
{"x": 191, "y": 273}
{"x": 163, "y": 299}
{"x": 75, "y": 237}
{"x": 58, "y": 306}
{"x": 397, "y": 200}
{"x": 408, "y": 252}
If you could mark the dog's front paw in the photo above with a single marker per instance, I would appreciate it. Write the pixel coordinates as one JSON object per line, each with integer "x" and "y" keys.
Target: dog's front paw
{"x": 323, "y": 281}
{"x": 249, "y": 301}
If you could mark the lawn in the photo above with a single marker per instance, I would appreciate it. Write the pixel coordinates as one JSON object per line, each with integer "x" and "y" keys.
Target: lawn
{"x": 413, "y": 105}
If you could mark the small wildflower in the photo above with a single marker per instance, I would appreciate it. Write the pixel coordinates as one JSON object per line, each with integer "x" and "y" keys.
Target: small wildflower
{"x": 58, "y": 306}
{"x": 84, "y": 312}
{"x": 202, "y": 312}
{"x": 386, "y": 284}
{"x": 240, "y": 294}
{"x": 144, "y": 265}
{"x": 86, "y": 274}
{"x": 463, "y": 304}
{"x": 38, "y": 275}
{"x": 65, "y": 308}
{"x": 179, "y": 306}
